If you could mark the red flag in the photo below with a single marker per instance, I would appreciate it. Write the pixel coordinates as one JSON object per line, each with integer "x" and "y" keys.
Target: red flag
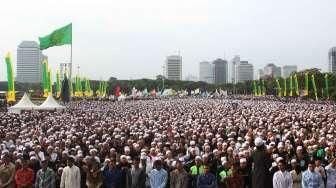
{"x": 117, "y": 92}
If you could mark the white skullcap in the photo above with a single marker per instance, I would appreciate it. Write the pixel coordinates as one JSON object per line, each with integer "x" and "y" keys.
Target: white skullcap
{"x": 258, "y": 142}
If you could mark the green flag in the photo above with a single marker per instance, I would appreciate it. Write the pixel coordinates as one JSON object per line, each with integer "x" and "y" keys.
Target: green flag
{"x": 255, "y": 88}
{"x": 278, "y": 87}
{"x": 285, "y": 87}
{"x": 10, "y": 79}
{"x": 306, "y": 84}
{"x": 58, "y": 37}
{"x": 314, "y": 86}
{"x": 296, "y": 84}
{"x": 326, "y": 82}
{"x": 291, "y": 86}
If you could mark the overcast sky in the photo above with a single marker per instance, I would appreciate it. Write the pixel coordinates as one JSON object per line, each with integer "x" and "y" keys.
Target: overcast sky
{"x": 131, "y": 38}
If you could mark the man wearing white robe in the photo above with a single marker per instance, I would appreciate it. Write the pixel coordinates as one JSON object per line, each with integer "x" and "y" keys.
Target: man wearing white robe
{"x": 331, "y": 174}
{"x": 282, "y": 178}
{"x": 71, "y": 175}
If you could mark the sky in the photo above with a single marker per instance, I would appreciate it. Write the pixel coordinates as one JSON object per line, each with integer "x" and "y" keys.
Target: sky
{"x": 130, "y": 39}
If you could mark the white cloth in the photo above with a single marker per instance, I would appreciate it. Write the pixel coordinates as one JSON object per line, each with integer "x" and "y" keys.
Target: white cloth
{"x": 331, "y": 176}
{"x": 282, "y": 180}
{"x": 70, "y": 177}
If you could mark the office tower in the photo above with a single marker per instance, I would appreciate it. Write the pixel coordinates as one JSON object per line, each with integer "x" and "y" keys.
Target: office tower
{"x": 244, "y": 71}
{"x": 220, "y": 68}
{"x": 29, "y": 58}
{"x": 206, "y": 73}
{"x": 332, "y": 59}
{"x": 233, "y": 69}
{"x": 174, "y": 67}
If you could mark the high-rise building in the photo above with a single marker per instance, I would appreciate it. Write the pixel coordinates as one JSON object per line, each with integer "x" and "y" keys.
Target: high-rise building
{"x": 29, "y": 58}
{"x": 332, "y": 59}
{"x": 233, "y": 70}
{"x": 288, "y": 69}
{"x": 206, "y": 72}
{"x": 272, "y": 70}
{"x": 244, "y": 71}
{"x": 260, "y": 73}
{"x": 220, "y": 68}
{"x": 174, "y": 67}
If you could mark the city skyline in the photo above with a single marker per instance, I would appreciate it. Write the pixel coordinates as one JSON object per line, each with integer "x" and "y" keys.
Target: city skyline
{"x": 131, "y": 39}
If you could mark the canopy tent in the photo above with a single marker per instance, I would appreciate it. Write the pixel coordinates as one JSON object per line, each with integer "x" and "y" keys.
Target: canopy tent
{"x": 50, "y": 104}
{"x": 24, "y": 104}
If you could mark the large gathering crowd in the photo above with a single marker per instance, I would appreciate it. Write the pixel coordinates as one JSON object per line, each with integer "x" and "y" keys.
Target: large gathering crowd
{"x": 173, "y": 143}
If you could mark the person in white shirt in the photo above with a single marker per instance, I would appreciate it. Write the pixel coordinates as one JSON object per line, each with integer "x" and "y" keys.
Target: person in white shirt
{"x": 71, "y": 175}
{"x": 331, "y": 174}
{"x": 282, "y": 178}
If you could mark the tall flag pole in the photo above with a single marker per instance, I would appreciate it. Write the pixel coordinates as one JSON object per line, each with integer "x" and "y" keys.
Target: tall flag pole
{"x": 10, "y": 79}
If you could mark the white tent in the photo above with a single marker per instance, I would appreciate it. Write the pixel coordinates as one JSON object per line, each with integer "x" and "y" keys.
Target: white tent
{"x": 50, "y": 104}
{"x": 24, "y": 104}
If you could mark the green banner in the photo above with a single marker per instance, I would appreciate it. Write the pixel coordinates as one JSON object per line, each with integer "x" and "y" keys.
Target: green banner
{"x": 306, "y": 84}
{"x": 296, "y": 84}
{"x": 314, "y": 86}
{"x": 58, "y": 37}
{"x": 285, "y": 87}
{"x": 326, "y": 83}
{"x": 278, "y": 87}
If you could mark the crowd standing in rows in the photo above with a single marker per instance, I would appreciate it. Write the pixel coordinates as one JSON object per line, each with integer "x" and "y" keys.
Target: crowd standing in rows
{"x": 176, "y": 143}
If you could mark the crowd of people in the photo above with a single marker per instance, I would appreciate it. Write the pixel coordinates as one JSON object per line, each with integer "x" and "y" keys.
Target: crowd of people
{"x": 173, "y": 143}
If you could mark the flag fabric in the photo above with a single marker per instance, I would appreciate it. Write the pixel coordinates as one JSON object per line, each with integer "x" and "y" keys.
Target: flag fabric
{"x": 296, "y": 85}
{"x": 65, "y": 94}
{"x": 314, "y": 86}
{"x": 255, "y": 88}
{"x": 263, "y": 88}
{"x": 10, "y": 79}
{"x": 285, "y": 87}
{"x": 278, "y": 87}
{"x": 58, "y": 37}
{"x": 306, "y": 84}
{"x": 45, "y": 78}
{"x": 58, "y": 85}
{"x": 259, "y": 89}
{"x": 49, "y": 82}
{"x": 117, "y": 91}
{"x": 326, "y": 83}
{"x": 291, "y": 86}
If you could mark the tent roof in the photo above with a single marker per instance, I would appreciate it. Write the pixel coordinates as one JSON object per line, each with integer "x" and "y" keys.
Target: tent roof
{"x": 24, "y": 103}
{"x": 50, "y": 103}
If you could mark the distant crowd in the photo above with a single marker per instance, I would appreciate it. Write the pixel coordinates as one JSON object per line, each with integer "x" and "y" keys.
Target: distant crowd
{"x": 171, "y": 143}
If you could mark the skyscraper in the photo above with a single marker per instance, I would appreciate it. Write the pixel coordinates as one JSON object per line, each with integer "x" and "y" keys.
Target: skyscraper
{"x": 332, "y": 59}
{"x": 244, "y": 71}
{"x": 29, "y": 57}
{"x": 272, "y": 70}
{"x": 233, "y": 70}
{"x": 206, "y": 73}
{"x": 220, "y": 67}
{"x": 288, "y": 69}
{"x": 174, "y": 67}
